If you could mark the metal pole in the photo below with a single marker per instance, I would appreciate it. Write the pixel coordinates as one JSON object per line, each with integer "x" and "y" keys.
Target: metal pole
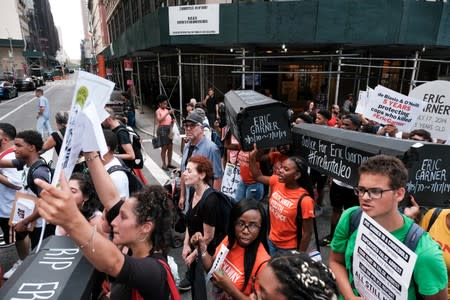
{"x": 413, "y": 75}
{"x": 139, "y": 85}
{"x": 159, "y": 74}
{"x": 202, "y": 78}
{"x": 403, "y": 75}
{"x": 253, "y": 75}
{"x": 338, "y": 78}
{"x": 243, "y": 69}
{"x": 438, "y": 71}
{"x": 330, "y": 69}
{"x": 121, "y": 75}
{"x": 180, "y": 85}
{"x": 368, "y": 70}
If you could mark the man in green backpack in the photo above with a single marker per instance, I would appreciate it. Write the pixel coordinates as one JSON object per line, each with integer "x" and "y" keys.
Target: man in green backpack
{"x": 381, "y": 186}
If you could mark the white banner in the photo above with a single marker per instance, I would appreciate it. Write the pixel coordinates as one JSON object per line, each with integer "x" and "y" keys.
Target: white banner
{"x": 230, "y": 180}
{"x": 435, "y": 117}
{"x": 386, "y": 106}
{"x": 382, "y": 265}
{"x": 84, "y": 131}
{"x": 194, "y": 19}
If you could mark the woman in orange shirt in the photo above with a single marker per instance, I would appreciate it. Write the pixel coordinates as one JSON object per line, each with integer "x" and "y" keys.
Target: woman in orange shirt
{"x": 247, "y": 254}
{"x": 290, "y": 229}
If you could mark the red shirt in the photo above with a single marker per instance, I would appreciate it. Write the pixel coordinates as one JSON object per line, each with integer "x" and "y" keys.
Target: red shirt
{"x": 243, "y": 160}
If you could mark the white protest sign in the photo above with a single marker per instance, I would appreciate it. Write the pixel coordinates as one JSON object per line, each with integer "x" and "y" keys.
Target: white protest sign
{"x": 362, "y": 103}
{"x": 382, "y": 265}
{"x": 435, "y": 116}
{"x": 230, "y": 181}
{"x": 220, "y": 258}
{"x": 84, "y": 130}
{"x": 386, "y": 106}
{"x": 194, "y": 19}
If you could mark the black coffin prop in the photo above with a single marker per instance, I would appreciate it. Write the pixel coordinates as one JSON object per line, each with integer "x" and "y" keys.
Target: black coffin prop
{"x": 255, "y": 118}
{"x": 339, "y": 153}
{"x": 58, "y": 271}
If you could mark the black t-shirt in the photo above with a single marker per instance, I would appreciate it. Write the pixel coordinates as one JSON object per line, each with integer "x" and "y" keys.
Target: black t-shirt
{"x": 123, "y": 138}
{"x": 42, "y": 173}
{"x": 58, "y": 139}
{"x": 211, "y": 106}
{"x": 146, "y": 275}
{"x": 207, "y": 211}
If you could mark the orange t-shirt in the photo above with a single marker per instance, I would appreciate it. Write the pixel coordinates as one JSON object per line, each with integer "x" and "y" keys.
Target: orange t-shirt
{"x": 167, "y": 120}
{"x": 283, "y": 211}
{"x": 244, "y": 168}
{"x": 233, "y": 266}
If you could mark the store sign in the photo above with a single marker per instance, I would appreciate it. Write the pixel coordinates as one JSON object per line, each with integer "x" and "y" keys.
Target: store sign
{"x": 194, "y": 19}
{"x": 128, "y": 65}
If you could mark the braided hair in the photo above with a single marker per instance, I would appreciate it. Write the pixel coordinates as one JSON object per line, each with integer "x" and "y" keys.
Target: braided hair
{"x": 304, "y": 181}
{"x": 152, "y": 205}
{"x": 302, "y": 278}
{"x": 250, "y": 251}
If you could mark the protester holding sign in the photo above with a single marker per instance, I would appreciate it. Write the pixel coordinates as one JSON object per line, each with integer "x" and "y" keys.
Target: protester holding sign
{"x": 163, "y": 116}
{"x": 247, "y": 244}
{"x": 291, "y": 207}
{"x": 142, "y": 223}
{"x": 381, "y": 187}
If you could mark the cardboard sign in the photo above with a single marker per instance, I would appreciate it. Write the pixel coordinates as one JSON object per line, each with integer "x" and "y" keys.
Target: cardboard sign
{"x": 386, "y": 106}
{"x": 435, "y": 116}
{"x": 230, "y": 181}
{"x": 23, "y": 206}
{"x": 382, "y": 265}
{"x": 58, "y": 271}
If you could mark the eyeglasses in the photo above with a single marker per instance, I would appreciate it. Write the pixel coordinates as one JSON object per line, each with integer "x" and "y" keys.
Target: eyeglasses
{"x": 374, "y": 193}
{"x": 252, "y": 227}
{"x": 190, "y": 126}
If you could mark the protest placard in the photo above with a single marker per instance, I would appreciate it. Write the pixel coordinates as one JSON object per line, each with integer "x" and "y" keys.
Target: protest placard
{"x": 435, "y": 116}
{"x": 84, "y": 130}
{"x": 386, "y": 106}
{"x": 382, "y": 265}
{"x": 231, "y": 179}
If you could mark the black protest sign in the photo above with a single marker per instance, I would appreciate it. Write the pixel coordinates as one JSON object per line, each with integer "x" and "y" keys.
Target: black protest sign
{"x": 255, "y": 118}
{"x": 429, "y": 174}
{"x": 339, "y": 153}
{"x": 58, "y": 271}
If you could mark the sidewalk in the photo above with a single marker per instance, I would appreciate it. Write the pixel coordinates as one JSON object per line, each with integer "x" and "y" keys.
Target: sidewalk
{"x": 145, "y": 120}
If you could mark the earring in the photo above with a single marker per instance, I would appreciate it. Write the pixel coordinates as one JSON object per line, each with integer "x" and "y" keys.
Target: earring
{"x": 141, "y": 237}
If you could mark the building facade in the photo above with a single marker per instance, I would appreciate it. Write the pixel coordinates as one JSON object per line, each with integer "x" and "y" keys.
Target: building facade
{"x": 294, "y": 50}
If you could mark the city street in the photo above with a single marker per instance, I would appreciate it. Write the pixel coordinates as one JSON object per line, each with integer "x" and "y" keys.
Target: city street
{"x": 21, "y": 112}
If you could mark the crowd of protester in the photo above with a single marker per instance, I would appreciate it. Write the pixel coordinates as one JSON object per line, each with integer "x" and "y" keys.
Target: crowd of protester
{"x": 267, "y": 232}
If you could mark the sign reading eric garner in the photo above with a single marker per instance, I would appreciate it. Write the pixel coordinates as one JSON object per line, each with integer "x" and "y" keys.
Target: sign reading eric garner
{"x": 382, "y": 265}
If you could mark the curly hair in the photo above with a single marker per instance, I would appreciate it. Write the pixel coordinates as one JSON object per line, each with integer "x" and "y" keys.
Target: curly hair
{"x": 152, "y": 205}
{"x": 389, "y": 166}
{"x": 304, "y": 181}
{"x": 88, "y": 190}
{"x": 203, "y": 165}
{"x": 250, "y": 251}
{"x": 31, "y": 137}
{"x": 302, "y": 278}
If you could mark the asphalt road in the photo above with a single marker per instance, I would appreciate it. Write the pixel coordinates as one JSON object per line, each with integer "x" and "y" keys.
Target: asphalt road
{"x": 21, "y": 112}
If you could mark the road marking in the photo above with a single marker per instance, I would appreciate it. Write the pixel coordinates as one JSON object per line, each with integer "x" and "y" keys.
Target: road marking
{"x": 20, "y": 106}
{"x": 175, "y": 157}
{"x": 156, "y": 171}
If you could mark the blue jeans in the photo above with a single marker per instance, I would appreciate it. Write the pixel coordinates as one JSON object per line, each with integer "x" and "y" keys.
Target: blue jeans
{"x": 249, "y": 191}
{"x": 274, "y": 249}
{"x": 43, "y": 126}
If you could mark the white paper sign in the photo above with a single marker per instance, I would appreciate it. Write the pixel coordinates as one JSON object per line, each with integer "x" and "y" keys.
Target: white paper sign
{"x": 194, "y": 19}
{"x": 382, "y": 265}
{"x": 84, "y": 130}
{"x": 230, "y": 181}
{"x": 24, "y": 208}
{"x": 217, "y": 264}
{"x": 435, "y": 116}
{"x": 389, "y": 107}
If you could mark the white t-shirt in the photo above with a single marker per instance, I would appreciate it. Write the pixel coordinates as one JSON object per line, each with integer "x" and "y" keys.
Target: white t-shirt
{"x": 7, "y": 195}
{"x": 119, "y": 178}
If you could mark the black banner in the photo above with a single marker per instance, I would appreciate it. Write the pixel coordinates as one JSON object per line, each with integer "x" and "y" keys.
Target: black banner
{"x": 339, "y": 153}
{"x": 58, "y": 271}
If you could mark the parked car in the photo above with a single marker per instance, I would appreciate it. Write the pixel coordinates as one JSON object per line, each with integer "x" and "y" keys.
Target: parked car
{"x": 26, "y": 84}
{"x": 48, "y": 76}
{"x": 38, "y": 81}
{"x": 7, "y": 90}
{"x": 8, "y": 76}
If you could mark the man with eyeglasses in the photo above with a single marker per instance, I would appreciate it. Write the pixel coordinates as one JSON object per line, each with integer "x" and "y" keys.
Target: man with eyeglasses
{"x": 382, "y": 181}
{"x": 200, "y": 145}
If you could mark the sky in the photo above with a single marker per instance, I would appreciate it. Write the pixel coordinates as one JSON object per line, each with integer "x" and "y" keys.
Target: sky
{"x": 67, "y": 16}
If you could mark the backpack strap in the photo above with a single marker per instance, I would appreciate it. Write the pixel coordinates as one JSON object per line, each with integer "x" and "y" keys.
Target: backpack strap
{"x": 413, "y": 236}
{"x": 355, "y": 219}
{"x": 437, "y": 211}
{"x": 7, "y": 151}
{"x": 37, "y": 164}
{"x": 174, "y": 294}
{"x": 118, "y": 168}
